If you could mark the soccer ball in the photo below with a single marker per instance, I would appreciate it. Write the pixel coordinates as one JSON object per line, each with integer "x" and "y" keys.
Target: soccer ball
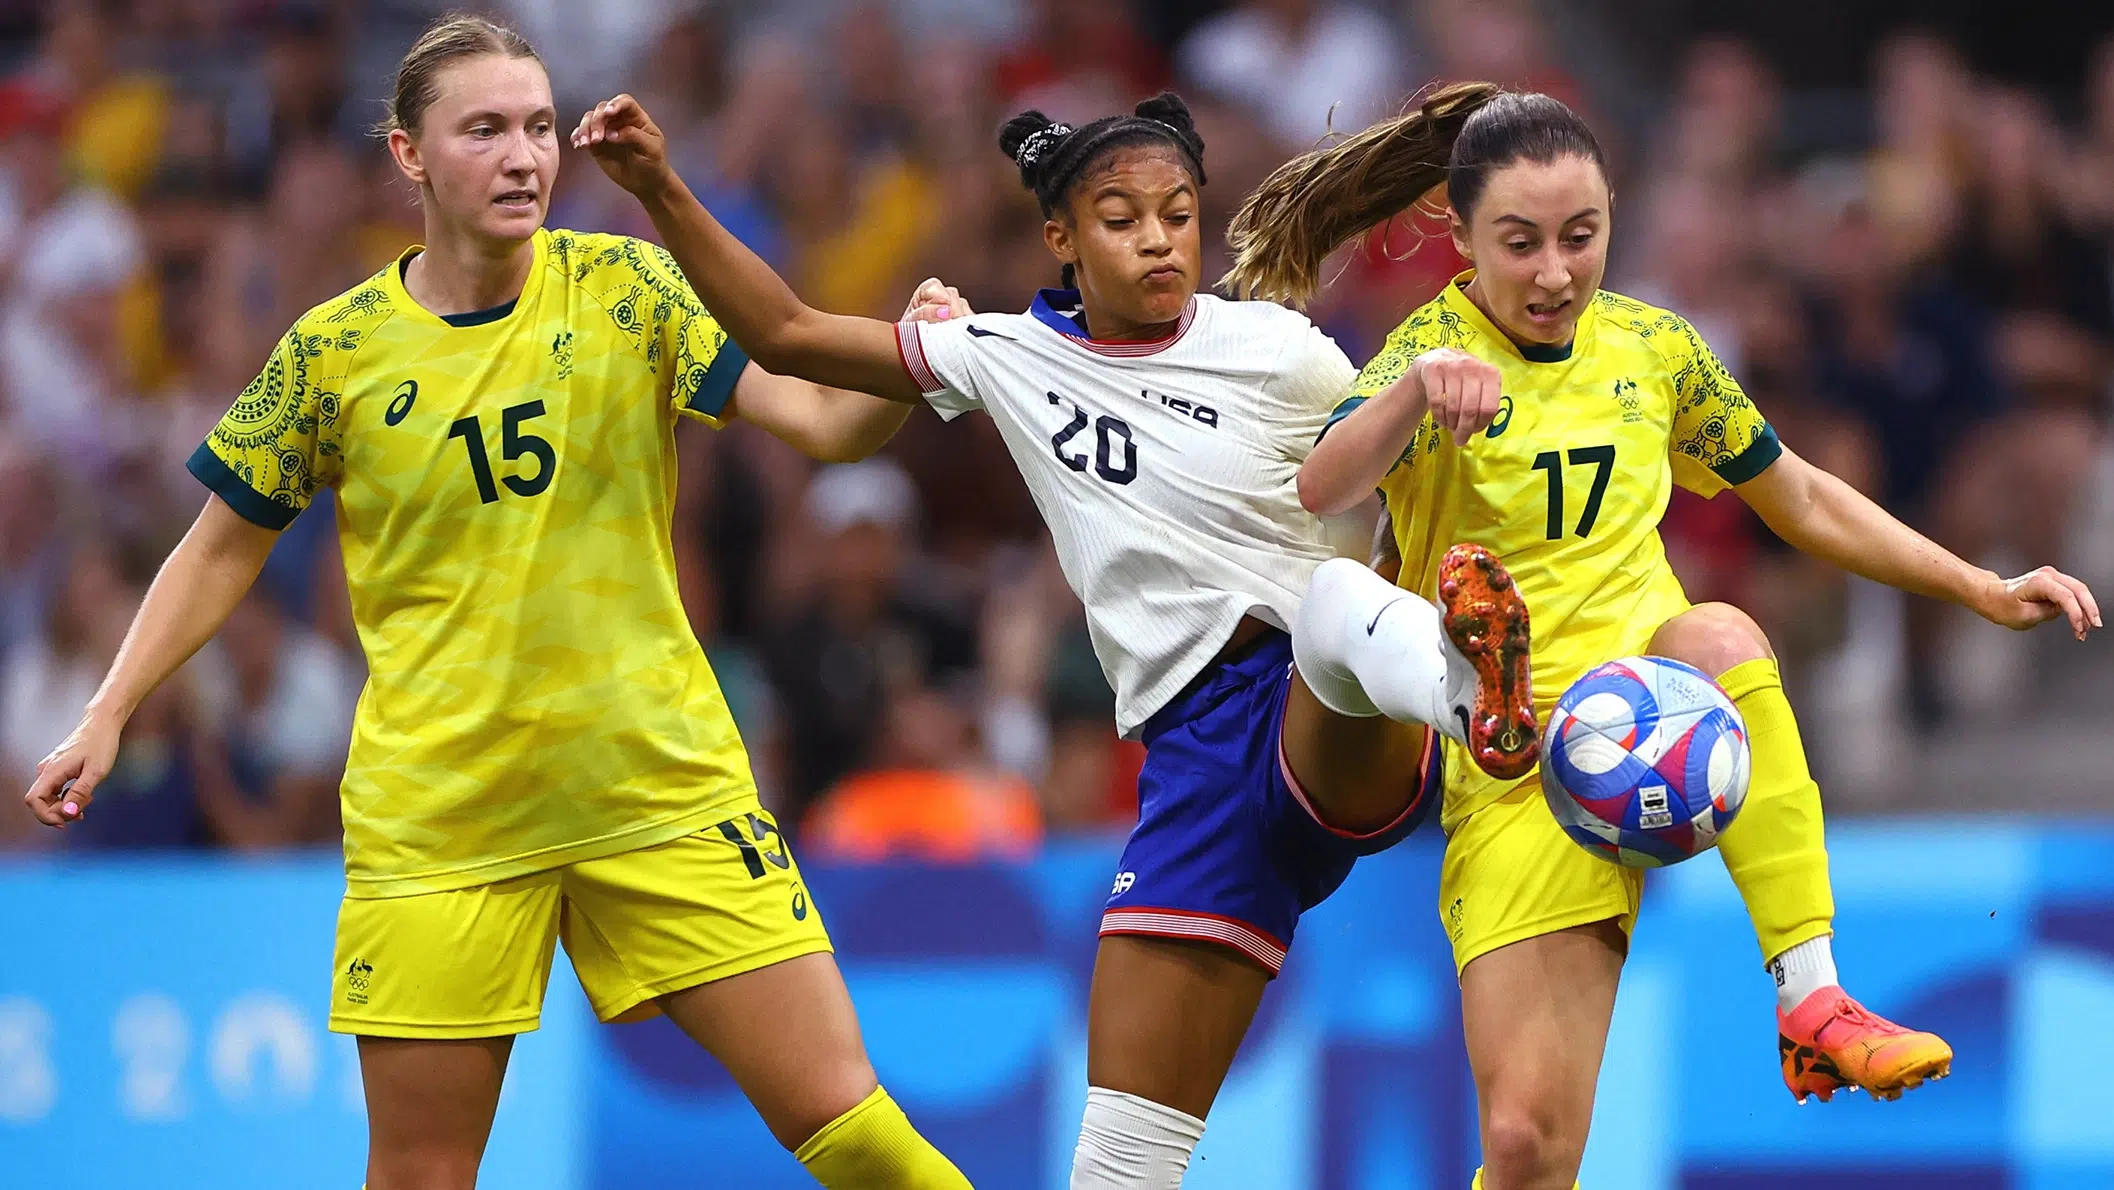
{"x": 1645, "y": 762}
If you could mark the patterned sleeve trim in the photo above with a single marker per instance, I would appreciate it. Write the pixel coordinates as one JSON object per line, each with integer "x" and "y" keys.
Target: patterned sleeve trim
{"x": 714, "y": 385}
{"x": 1760, "y": 454}
{"x": 249, "y": 503}
{"x": 910, "y": 347}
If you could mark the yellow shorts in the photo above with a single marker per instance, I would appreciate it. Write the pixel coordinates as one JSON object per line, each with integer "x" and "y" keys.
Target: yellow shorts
{"x": 637, "y": 925}
{"x": 1511, "y": 874}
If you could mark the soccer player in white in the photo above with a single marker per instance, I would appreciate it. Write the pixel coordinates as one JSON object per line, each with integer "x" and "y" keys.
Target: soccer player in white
{"x": 1161, "y": 431}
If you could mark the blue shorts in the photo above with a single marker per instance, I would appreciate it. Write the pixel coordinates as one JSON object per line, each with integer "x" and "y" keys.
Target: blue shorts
{"x": 1228, "y": 848}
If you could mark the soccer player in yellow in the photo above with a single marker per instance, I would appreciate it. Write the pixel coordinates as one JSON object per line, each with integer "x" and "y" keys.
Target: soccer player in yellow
{"x": 1528, "y": 410}
{"x": 541, "y": 752}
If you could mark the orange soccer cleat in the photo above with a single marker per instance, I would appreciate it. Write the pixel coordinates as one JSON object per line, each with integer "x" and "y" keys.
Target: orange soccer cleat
{"x": 1831, "y": 1042}
{"x": 1487, "y": 621}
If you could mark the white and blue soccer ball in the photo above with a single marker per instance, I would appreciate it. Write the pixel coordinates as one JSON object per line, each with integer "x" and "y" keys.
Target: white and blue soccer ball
{"x": 1645, "y": 762}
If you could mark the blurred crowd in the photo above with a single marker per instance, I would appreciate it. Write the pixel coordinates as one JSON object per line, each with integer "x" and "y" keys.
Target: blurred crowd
{"x": 1924, "y": 305}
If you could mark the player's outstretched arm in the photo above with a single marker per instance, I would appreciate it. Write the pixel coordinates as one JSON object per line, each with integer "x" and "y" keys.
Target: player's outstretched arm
{"x": 835, "y": 425}
{"x": 1825, "y": 517}
{"x": 204, "y": 578}
{"x": 780, "y": 332}
{"x": 1459, "y": 391}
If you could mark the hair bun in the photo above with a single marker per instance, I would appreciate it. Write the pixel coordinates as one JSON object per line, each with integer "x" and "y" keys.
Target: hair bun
{"x": 1027, "y": 138}
{"x": 1018, "y": 129}
{"x": 1168, "y": 108}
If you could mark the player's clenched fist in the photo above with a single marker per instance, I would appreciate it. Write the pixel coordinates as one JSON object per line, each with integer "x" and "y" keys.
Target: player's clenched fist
{"x": 936, "y": 301}
{"x": 1461, "y": 391}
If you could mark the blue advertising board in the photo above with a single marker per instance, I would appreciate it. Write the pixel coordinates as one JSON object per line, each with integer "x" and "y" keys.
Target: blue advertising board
{"x": 161, "y": 1023}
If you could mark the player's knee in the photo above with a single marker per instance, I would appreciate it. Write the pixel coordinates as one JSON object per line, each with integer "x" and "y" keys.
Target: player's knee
{"x": 873, "y": 1146}
{"x": 1129, "y": 1142}
{"x": 1336, "y": 575}
{"x": 1713, "y": 637}
{"x": 1525, "y": 1145}
{"x": 830, "y": 1096}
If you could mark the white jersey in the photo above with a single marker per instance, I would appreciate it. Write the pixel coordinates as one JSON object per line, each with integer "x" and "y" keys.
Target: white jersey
{"x": 1167, "y": 471}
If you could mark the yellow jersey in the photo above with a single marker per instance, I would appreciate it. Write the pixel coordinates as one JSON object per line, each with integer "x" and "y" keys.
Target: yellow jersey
{"x": 504, "y": 482}
{"x": 1569, "y": 482}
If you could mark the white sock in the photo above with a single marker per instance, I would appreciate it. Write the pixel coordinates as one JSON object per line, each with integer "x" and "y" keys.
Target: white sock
{"x": 1803, "y": 970}
{"x": 1367, "y": 647}
{"x": 1130, "y": 1143}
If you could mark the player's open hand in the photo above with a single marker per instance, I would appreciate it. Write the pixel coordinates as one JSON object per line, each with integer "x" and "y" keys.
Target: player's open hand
{"x": 627, "y": 144}
{"x": 67, "y": 778}
{"x": 1461, "y": 391}
{"x": 935, "y": 301}
{"x": 2038, "y": 596}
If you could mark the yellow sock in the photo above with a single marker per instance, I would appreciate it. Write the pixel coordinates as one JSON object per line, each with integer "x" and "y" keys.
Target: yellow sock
{"x": 1775, "y": 849}
{"x": 873, "y": 1147}
{"x": 1478, "y": 1183}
